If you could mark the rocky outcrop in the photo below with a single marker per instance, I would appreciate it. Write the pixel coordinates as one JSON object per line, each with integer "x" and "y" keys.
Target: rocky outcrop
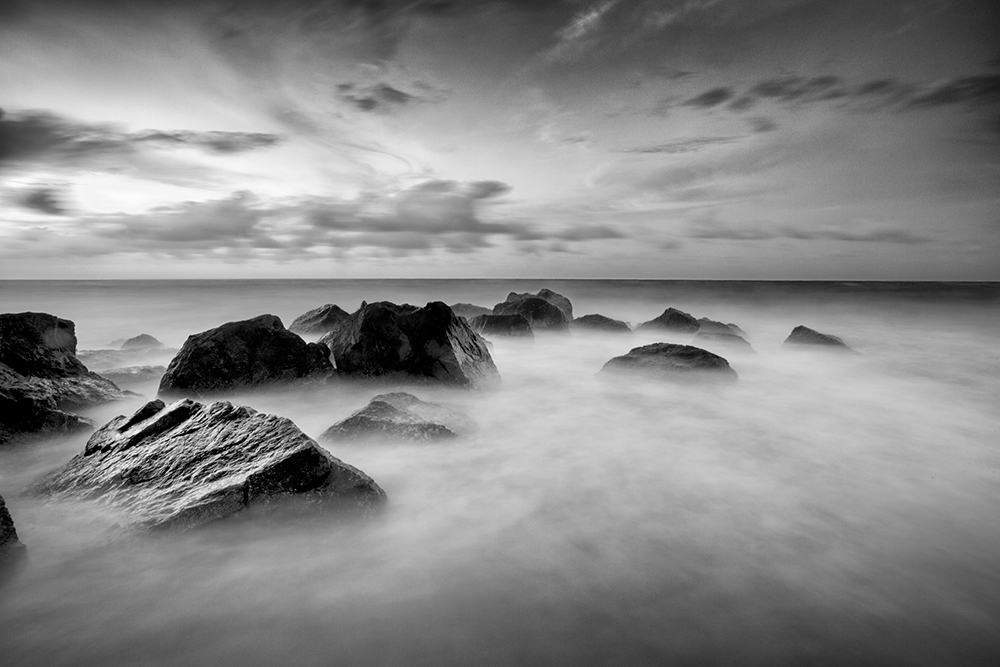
{"x": 541, "y": 313}
{"x": 189, "y": 463}
{"x": 804, "y": 336}
{"x": 670, "y": 361}
{"x": 600, "y": 323}
{"x": 319, "y": 321}
{"x": 243, "y": 355}
{"x": 469, "y": 310}
{"x": 502, "y": 325}
{"x": 131, "y": 376}
{"x": 406, "y": 343}
{"x": 41, "y": 380}
{"x": 12, "y": 550}
{"x": 707, "y": 326}
{"x": 727, "y": 341}
{"x": 672, "y": 320}
{"x": 142, "y": 342}
{"x": 399, "y": 416}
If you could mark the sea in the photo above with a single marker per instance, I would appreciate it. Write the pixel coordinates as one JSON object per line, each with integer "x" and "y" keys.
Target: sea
{"x": 824, "y": 509}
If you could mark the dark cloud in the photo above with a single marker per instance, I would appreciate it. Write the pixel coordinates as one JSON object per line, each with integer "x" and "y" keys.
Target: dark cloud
{"x": 382, "y": 97}
{"x": 684, "y": 145}
{"x": 218, "y": 142}
{"x": 965, "y": 90}
{"x": 710, "y": 98}
{"x": 743, "y": 103}
{"x": 799, "y": 89}
{"x": 761, "y": 125}
{"x": 43, "y": 200}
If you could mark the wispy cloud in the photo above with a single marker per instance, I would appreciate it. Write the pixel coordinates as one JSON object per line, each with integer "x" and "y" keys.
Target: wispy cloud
{"x": 684, "y": 145}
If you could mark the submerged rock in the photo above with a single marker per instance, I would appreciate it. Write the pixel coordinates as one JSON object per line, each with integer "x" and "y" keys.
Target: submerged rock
{"x": 668, "y": 360}
{"x": 541, "y": 313}
{"x": 320, "y": 320}
{"x": 469, "y": 310}
{"x": 399, "y": 416}
{"x": 392, "y": 342}
{"x": 12, "y": 550}
{"x": 803, "y": 336}
{"x": 240, "y": 355}
{"x": 672, "y": 320}
{"x": 502, "y": 325}
{"x": 600, "y": 323}
{"x": 729, "y": 341}
{"x": 189, "y": 463}
{"x": 142, "y": 342}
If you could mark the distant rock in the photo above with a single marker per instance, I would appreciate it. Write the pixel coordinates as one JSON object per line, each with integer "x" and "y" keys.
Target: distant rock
{"x": 103, "y": 360}
{"x": 12, "y": 550}
{"x": 392, "y": 342}
{"x": 320, "y": 320}
{"x": 142, "y": 342}
{"x": 134, "y": 375}
{"x": 189, "y": 463}
{"x": 728, "y": 341}
{"x": 804, "y": 336}
{"x": 600, "y": 323}
{"x": 241, "y": 355}
{"x": 672, "y": 320}
{"x": 399, "y": 416}
{"x": 469, "y": 311}
{"x": 671, "y": 361}
{"x": 708, "y": 326}
{"x": 533, "y": 311}
{"x": 502, "y": 325}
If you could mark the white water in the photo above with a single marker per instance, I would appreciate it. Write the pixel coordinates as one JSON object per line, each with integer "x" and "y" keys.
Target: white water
{"x": 822, "y": 510}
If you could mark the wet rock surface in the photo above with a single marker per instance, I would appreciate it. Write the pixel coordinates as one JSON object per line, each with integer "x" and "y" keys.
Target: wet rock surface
{"x": 671, "y": 361}
{"x": 241, "y": 355}
{"x": 190, "y": 463}
{"x": 320, "y": 320}
{"x": 405, "y": 343}
{"x": 502, "y": 325}
{"x": 600, "y": 323}
{"x": 672, "y": 320}
{"x": 399, "y": 416}
{"x": 12, "y": 550}
{"x": 804, "y": 336}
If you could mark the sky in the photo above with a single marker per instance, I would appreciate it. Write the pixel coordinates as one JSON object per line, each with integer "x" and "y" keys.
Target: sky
{"x": 656, "y": 139}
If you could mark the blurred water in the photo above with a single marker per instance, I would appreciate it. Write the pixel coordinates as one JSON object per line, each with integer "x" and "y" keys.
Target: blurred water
{"x": 823, "y": 510}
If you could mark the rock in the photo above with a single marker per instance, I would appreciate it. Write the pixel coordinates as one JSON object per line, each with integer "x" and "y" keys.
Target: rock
{"x": 28, "y": 406}
{"x": 672, "y": 320}
{"x": 39, "y": 345}
{"x": 469, "y": 311}
{"x": 728, "y": 341}
{"x": 399, "y": 416}
{"x": 391, "y": 342}
{"x": 502, "y": 325}
{"x": 241, "y": 355}
{"x": 802, "y": 336}
{"x": 671, "y": 361}
{"x": 554, "y": 298}
{"x": 189, "y": 463}
{"x": 320, "y": 320}
{"x": 708, "y": 326}
{"x": 103, "y": 360}
{"x": 142, "y": 342}
{"x": 541, "y": 314}
{"x": 600, "y": 323}
{"x": 12, "y": 550}
{"x": 134, "y": 375}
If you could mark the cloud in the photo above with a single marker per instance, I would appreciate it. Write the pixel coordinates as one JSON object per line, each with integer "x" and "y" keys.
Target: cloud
{"x": 218, "y": 142}
{"x": 761, "y": 125}
{"x": 965, "y": 90}
{"x": 43, "y": 200}
{"x": 581, "y": 33}
{"x": 684, "y": 145}
{"x": 713, "y": 229}
{"x": 710, "y": 98}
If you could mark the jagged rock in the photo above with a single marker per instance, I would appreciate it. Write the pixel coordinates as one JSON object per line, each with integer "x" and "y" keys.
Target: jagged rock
{"x": 540, "y": 313}
{"x": 399, "y": 416}
{"x": 728, "y": 341}
{"x": 320, "y": 320}
{"x": 671, "y": 361}
{"x": 469, "y": 310}
{"x": 240, "y": 355}
{"x": 134, "y": 375}
{"x": 189, "y": 463}
{"x": 28, "y": 406}
{"x": 39, "y": 345}
{"x": 600, "y": 323}
{"x": 502, "y": 325}
{"x": 391, "y": 342}
{"x": 12, "y": 550}
{"x": 142, "y": 342}
{"x": 802, "y": 335}
{"x": 672, "y": 320}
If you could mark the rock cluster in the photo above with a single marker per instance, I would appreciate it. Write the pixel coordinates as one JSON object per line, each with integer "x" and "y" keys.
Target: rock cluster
{"x": 398, "y": 416}
{"x": 545, "y": 311}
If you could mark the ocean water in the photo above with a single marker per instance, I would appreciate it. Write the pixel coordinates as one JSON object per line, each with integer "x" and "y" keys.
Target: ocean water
{"x": 824, "y": 509}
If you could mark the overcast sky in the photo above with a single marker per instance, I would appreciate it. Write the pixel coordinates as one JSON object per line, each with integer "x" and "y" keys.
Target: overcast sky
{"x": 784, "y": 139}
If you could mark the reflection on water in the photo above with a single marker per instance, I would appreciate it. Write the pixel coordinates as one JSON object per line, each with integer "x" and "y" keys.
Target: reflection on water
{"x": 823, "y": 509}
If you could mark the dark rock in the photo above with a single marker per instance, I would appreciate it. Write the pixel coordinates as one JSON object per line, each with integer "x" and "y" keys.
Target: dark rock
{"x": 39, "y": 345}
{"x": 190, "y": 463}
{"x": 805, "y": 336}
{"x": 668, "y": 360}
{"x": 12, "y": 550}
{"x": 502, "y": 325}
{"x": 320, "y": 320}
{"x": 399, "y": 416}
{"x": 142, "y": 342}
{"x": 134, "y": 375}
{"x": 600, "y": 323}
{"x": 708, "y": 326}
{"x": 391, "y": 342}
{"x": 728, "y": 341}
{"x": 469, "y": 311}
{"x": 672, "y": 320}
{"x": 28, "y": 406}
{"x": 541, "y": 314}
{"x": 547, "y": 295}
{"x": 240, "y": 355}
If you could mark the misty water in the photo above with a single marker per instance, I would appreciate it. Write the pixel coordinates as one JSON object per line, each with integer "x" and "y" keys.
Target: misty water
{"x": 824, "y": 509}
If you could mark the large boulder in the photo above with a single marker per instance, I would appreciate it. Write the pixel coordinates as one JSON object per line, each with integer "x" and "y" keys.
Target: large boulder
{"x": 670, "y": 361}
{"x": 39, "y": 345}
{"x": 804, "y": 336}
{"x": 672, "y": 320}
{"x": 469, "y": 310}
{"x": 142, "y": 342}
{"x": 320, "y": 320}
{"x": 502, "y": 325}
{"x": 600, "y": 323}
{"x": 189, "y": 463}
{"x": 398, "y": 416}
{"x": 542, "y": 314}
{"x": 556, "y": 299}
{"x": 241, "y": 355}
{"x": 12, "y": 550}
{"x": 406, "y": 343}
